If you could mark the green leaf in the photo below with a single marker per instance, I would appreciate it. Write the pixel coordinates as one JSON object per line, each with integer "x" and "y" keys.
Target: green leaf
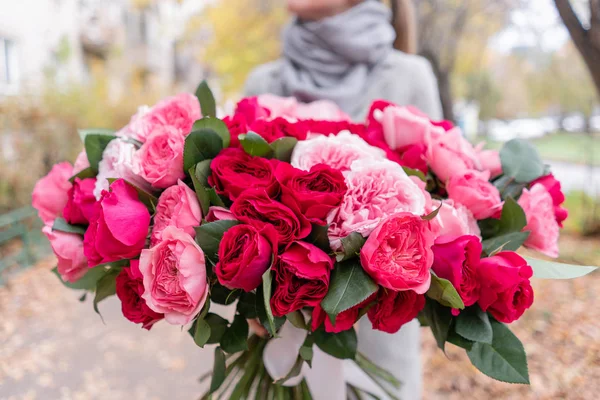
{"x": 521, "y": 161}
{"x": 209, "y": 235}
{"x": 202, "y": 332}
{"x": 235, "y": 338}
{"x": 459, "y": 341}
{"x": 306, "y": 351}
{"x": 63, "y": 226}
{"x": 508, "y": 187}
{"x": 217, "y": 125}
{"x": 87, "y": 282}
{"x": 505, "y": 233}
{"x": 297, "y": 319}
{"x": 474, "y": 324}
{"x": 283, "y": 148}
{"x": 339, "y": 345}
{"x": 205, "y": 96}
{"x": 247, "y": 305}
{"x": 94, "y": 147}
{"x": 442, "y": 291}
{"x": 218, "y": 326}
{"x": 504, "y": 359}
{"x": 149, "y": 200}
{"x": 318, "y": 237}
{"x": 105, "y": 287}
{"x": 200, "y": 145}
{"x": 415, "y": 172}
{"x": 349, "y": 285}
{"x": 351, "y": 246}
{"x": 214, "y": 198}
{"x": 221, "y": 295}
{"x": 200, "y": 190}
{"x": 439, "y": 319}
{"x": 433, "y": 214}
{"x": 202, "y": 172}
{"x": 84, "y": 174}
{"x": 266, "y": 289}
{"x": 218, "y": 374}
{"x": 552, "y": 270}
{"x": 255, "y": 145}
{"x": 374, "y": 370}
{"x": 98, "y": 131}
{"x": 294, "y": 372}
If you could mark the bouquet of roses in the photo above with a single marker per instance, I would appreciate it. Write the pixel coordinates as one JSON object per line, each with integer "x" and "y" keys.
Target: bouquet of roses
{"x": 304, "y": 222}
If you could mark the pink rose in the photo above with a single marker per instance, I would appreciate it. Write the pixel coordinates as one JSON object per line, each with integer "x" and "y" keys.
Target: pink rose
{"x": 552, "y": 185}
{"x": 160, "y": 160}
{"x": 251, "y": 110}
{"x": 174, "y": 274}
{"x": 178, "y": 112}
{"x": 454, "y": 220}
{"x": 118, "y": 227}
{"x": 81, "y": 162}
{"x": 450, "y": 154}
{"x": 376, "y": 190}
{"x": 322, "y": 110}
{"x": 397, "y": 254}
{"x": 404, "y": 127}
{"x": 50, "y": 194}
{"x": 68, "y": 248}
{"x": 284, "y": 107}
{"x": 490, "y": 161}
{"x": 80, "y": 206}
{"x": 541, "y": 222}
{"x": 218, "y": 214}
{"x": 475, "y": 192}
{"x": 118, "y": 162}
{"x": 177, "y": 206}
{"x": 337, "y": 151}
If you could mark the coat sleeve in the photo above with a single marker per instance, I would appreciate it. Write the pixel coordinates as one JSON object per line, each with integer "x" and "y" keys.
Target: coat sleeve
{"x": 260, "y": 79}
{"x": 426, "y": 95}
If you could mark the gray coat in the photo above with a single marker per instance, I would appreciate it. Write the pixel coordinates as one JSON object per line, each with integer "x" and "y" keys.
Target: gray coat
{"x": 402, "y": 78}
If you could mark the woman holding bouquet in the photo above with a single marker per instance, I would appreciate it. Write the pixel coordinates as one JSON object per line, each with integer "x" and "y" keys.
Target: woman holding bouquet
{"x": 343, "y": 51}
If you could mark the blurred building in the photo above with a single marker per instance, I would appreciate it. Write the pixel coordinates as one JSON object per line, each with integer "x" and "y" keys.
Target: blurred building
{"x": 63, "y": 40}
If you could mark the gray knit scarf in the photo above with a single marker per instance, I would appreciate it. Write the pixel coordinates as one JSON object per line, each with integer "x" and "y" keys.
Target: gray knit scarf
{"x": 331, "y": 59}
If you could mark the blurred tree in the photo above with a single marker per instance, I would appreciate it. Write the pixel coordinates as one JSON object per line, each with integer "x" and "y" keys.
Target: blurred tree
{"x": 444, "y": 24}
{"x": 244, "y": 34}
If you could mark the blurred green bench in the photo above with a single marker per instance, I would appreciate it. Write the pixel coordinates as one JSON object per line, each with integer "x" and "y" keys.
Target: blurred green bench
{"x": 20, "y": 228}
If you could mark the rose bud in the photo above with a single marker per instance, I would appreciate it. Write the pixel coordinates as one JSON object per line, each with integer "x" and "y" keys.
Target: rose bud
{"x": 50, "y": 194}
{"x": 68, "y": 248}
{"x": 343, "y": 321}
{"x": 80, "y": 206}
{"x": 177, "y": 206}
{"x": 245, "y": 254}
{"x": 119, "y": 226}
{"x": 394, "y": 309}
{"x": 130, "y": 288}
{"x": 301, "y": 278}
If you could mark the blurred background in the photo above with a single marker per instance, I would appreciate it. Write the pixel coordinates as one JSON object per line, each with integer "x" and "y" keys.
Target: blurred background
{"x": 505, "y": 69}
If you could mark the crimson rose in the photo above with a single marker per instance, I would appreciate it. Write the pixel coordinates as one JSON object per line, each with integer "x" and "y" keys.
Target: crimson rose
{"x": 301, "y": 276}
{"x": 315, "y": 193}
{"x": 80, "y": 206}
{"x": 394, "y": 309}
{"x": 234, "y": 171}
{"x": 251, "y": 110}
{"x": 343, "y": 321}
{"x": 274, "y": 129}
{"x": 237, "y": 125}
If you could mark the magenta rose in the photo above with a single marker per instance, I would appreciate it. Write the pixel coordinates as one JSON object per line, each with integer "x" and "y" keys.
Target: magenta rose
{"x": 130, "y": 288}
{"x": 541, "y": 222}
{"x": 177, "y": 206}
{"x": 218, "y": 214}
{"x": 315, "y": 193}
{"x": 174, "y": 275}
{"x": 301, "y": 277}
{"x": 80, "y": 206}
{"x": 50, "y": 194}
{"x": 256, "y": 208}
{"x": 68, "y": 248}
{"x": 457, "y": 260}
{"x": 450, "y": 154}
{"x": 343, "y": 321}
{"x": 234, "y": 171}
{"x": 274, "y": 129}
{"x": 397, "y": 254}
{"x": 245, "y": 254}
{"x": 475, "y": 192}
{"x": 394, "y": 309}
{"x": 118, "y": 227}
{"x": 160, "y": 160}
{"x": 250, "y": 108}
{"x": 553, "y": 187}
{"x": 506, "y": 290}
{"x": 237, "y": 126}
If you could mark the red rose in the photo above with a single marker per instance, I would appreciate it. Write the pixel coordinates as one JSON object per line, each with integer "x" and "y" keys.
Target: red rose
{"x": 506, "y": 291}
{"x": 256, "y": 208}
{"x": 394, "y": 309}
{"x": 251, "y": 110}
{"x": 80, "y": 206}
{"x": 553, "y": 186}
{"x": 130, "y": 288}
{"x": 274, "y": 129}
{"x": 245, "y": 253}
{"x": 315, "y": 193}
{"x": 118, "y": 227}
{"x": 234, "y": 171}
{"x": 457, "y": 260}
{"x": 237, "y": 125}
{"x": 301, "y": 276}
{"x": 343, "y": 321}
{"x": 413, "y": 156}
{"x": 397, "y": 254}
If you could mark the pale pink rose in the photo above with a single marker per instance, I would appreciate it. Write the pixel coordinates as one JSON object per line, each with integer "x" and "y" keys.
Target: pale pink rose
{"x": 118, "y": 162}
{"x": 321, "y": 110}
{"x": 450, "y": 154}
{"x": 160, "y": 160}
{"x": 453, "y": 220}
{"x": 68, "y": 248}
{"x": 376, "y": 190}
{"x": 284, "y": 107}
{"x": 539, "y": 210}
{"x": 179, "y": 112}
{"x": 174, "y": 276}
{"x": 337, "y": 151}
{"x": 50, "y": 194}
{"x": 218, "y": 214}
{"x": 490, "y": 161}
{"x": 474, "y": 191}
{"x": 81, "y": 162}
{"x": 177, "y": 206}
{"x": 403, "y": 127}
